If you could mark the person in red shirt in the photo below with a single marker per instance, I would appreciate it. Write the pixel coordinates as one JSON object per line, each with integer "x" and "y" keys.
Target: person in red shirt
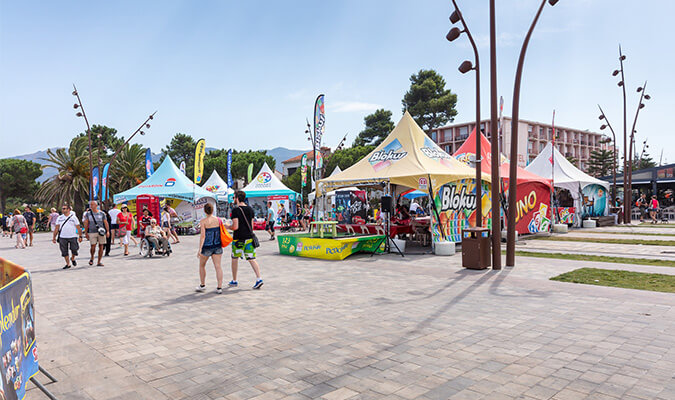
{"x": 125, "y": 220}
{"x": 653, "y": 209}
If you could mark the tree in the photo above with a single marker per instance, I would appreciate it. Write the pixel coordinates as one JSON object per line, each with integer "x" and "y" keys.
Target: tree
{"x": 17, "y": 179}
{"x": 573, "y": 160}
{"x": 427, "y": 100}
{"x": 128, "y": 170}
{"x": 182, "y": 148}
{"x": 110, "y": 142}
{"x": 645, "y": 161}
{"x": 345, "y": 158}
{"x": 378, "y": 126}
{"x": 217, "y": 160}
{"x": 71, "y": 183}
{"x": 600, "y": 163}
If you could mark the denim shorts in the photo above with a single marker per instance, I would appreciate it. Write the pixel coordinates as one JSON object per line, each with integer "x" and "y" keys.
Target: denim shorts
{"x": 211, "y": 251}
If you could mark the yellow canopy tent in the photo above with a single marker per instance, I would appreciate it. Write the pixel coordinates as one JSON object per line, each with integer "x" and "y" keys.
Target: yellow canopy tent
{"x": 407, "y": 157}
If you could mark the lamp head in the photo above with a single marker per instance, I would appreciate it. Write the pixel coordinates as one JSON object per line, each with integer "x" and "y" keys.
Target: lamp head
{"x": 142, "y": 133}
{"x": 615, "y": 73}
{"x": 74, "y": 92}
{"x": 642, "y": 105}
{"x": 620, "y": 83}
{"x": 622, "y": 58}
{"x": 647, "y": 97}
{"x": 454, "y": 17}
{"x": 465, "y": 67}
{"x": 453, "y": 34}
{"x": 552, "y": 2}
{"x": 602, "y": 127}
{"x": 76, "y": 106}
{"x": 79, "y": 114}
{"x": 639, "y": 89}
{"x": 147, "y": 126}
{"x": 601, "y": 116}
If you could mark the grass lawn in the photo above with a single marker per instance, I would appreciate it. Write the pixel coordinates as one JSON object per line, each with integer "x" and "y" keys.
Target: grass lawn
{"x": 611, "y": 259}
{"x": 642, "y": 233}
{"x": 645, "y": 242}
{"x": 622, "y": 279}
{"x": 650, "y": 225}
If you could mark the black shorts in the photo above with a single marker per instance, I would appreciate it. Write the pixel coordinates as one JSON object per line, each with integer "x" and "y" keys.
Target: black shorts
{"x": 270, "y": 226}
{"x": 65, "y": 243}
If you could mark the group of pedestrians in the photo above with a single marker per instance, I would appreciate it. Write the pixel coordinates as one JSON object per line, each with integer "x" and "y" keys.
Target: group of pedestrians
{"x": 19, "y": 225}
{"x": 648, "y": 208}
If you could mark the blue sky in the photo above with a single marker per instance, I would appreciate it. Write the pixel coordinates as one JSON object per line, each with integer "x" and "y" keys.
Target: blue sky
{"x": 245, "y": 74}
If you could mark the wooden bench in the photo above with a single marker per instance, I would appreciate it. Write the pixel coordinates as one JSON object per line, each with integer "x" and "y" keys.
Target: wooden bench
{"x": 607, "y": 220}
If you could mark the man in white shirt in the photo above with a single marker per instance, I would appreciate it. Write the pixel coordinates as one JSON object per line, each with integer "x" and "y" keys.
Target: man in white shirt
{"x": 114, "y": 225}
{"x": 68, "y": 234}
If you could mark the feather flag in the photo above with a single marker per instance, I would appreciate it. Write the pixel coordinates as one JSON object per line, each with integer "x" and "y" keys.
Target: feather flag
{"x": 104, "y": 182}
{"x": 229, "y": 168}
{"x": 93, "y": 193}
{"x": 149, "y": 168}
{"x": 250, "y": 172}
{"x": 199, "y": 160}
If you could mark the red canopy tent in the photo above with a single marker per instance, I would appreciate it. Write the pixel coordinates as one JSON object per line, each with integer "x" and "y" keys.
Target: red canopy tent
{"x": 533, "y": 191}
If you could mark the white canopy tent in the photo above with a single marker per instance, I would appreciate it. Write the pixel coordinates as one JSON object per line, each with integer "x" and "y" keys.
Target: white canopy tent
{"x": 216, "y": 185}
{"x": 337, "y": 170}
{"x": 551, "y": 164}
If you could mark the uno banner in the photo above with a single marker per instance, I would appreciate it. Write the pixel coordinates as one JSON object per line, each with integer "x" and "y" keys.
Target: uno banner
{"x": 93, "y": 194}
{"x": 149, "y": 168}
{"x": 229, "y": 168}
{"x": 199, "y": 160}
{"x": 104, "y": 182}
{"x": 18, "y": 347}
{"x": 319, "y": 121}
{"x": 328, "y": 248}
{"x": 533, "y": 208}
{"x": 303, "y": 170}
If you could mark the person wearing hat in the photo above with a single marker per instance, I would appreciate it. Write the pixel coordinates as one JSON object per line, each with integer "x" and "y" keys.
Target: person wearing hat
{"x": 125, "y": 222}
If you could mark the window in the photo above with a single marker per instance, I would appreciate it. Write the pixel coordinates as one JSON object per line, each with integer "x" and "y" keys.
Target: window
{"x": 433, "y": 135}
{"x": 541, "y": 131}
{"x": 529, "y": 128}
{"x": 448, "y": 149}
{"x": 463, "y": 130}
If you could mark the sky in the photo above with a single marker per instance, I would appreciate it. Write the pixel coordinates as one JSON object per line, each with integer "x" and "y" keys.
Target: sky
{"x": 245, "y": 75}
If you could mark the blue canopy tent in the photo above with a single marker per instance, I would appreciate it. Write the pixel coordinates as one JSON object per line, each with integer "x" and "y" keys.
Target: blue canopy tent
{"x": 167, "y": 181}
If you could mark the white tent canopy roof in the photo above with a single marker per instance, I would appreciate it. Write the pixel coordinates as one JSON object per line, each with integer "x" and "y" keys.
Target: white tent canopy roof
{"x": 564, "y": 174}
{"x": 215, "y": 184}
{"x": 265, "y": 184}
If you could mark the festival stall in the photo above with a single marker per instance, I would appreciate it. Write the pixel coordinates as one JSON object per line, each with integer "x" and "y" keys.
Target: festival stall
{"x": 267, "y": 187}
{"x": 216, "y": 185}
{"x": 533, "y": 192}
{"x": 589, "y": 196}
{"x": 408, "y": 158}
{"x": 168, "y": 182}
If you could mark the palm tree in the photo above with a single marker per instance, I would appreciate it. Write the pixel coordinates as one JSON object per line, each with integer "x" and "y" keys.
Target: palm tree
{"x": 71, "y": 184}
{"x": 128, "y": 169}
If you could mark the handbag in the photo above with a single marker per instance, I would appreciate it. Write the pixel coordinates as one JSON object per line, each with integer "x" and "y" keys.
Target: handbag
{"x": 256, "y": 242}
{"x": 225, "y": 237}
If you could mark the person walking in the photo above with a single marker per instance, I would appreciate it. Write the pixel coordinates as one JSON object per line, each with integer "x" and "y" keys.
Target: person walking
{"x": 641, "y": 203}
{"x": 653, "y": 209}
{"x": 125, "y": 222}
{"x": 306, "y": 212}
{"x": 20, "y": 229}
{"x": 211, "y": 247}
{"x": 4, "y": 225}
{"x": 114, "y": 223}
{"x": 242, "y": 245}
{"x": 30, "y": 217}
{"x": 173, "y": 220}
{"x": 52, "y": 218}
{"x": 68, "y": 235}
{"x": 271, "y": 217}
{"x": 97, "y": 230}
{"x": 108, "y": 239}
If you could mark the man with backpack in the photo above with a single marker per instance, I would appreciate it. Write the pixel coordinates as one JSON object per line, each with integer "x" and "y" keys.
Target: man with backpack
{"x": 68, "y": 235}
{"x": 641, "y": 203}
{"x": 97, "y": 229}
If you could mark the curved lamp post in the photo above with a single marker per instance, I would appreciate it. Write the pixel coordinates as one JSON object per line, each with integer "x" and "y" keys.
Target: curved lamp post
{"x": 513, "y": 171}
{"x": 82, "y": 114}
{"x": 602, "y": 127}
{"x": 465, "y": 67}
{"x": 641, "y": 105}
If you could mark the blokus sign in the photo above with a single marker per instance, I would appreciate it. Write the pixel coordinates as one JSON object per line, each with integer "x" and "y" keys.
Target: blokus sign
{"x": 451, "y": 200}
{"x": 387, "y": 155}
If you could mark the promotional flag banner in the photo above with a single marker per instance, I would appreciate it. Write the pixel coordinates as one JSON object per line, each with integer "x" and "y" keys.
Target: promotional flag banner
{"x": 250, "y": 172}
{"x": 149, "y": 168}
{"x": 319, "y": 121}
{"x": 104, "y": 182}
{"x": 93, "y": 195}
{"x": 319, "y": 160}
{"x": 199, "y": 160}
{"x": 303, "y": 169}
{"x": 229, "y": 168}
{"x": 182, "y": 167}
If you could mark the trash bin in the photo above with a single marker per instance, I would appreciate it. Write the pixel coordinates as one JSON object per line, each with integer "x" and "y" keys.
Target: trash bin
{"x": 476, "y": 248}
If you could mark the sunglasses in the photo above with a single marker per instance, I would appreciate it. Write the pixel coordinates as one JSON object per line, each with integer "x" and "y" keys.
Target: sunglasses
{"x": 64, "y": 208}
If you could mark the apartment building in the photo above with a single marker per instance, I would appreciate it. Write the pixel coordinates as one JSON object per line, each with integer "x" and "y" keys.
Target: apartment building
{"x": 532, "y": 137}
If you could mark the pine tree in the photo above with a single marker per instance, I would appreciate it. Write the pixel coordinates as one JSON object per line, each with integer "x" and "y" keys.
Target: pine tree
{"x": 600, "y": 163}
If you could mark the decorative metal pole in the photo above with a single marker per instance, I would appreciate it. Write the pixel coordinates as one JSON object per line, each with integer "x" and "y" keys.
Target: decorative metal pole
{"x": 627, "y": 195}
{"x": 513, "y": 166}
{"x": 603, "y": 116}
{"x": 632, "y": 132}
{"x": 464, "y": 68}
{"x": 81, "y": 113}
{"x": 494, "y": 132}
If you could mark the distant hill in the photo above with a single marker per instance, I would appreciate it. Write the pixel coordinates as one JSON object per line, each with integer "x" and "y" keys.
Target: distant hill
{"x": 279, "y": 153}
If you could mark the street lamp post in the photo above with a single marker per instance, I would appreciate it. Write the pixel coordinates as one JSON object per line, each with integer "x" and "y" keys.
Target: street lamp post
{"x": 626, "y": 156}
{"x": 513, "y": 166}
{"x": 602, "y": 127}
{"x": 82, "y": 114}
{"x": 643, "y": 96}
{"x": 465, "y": 67}
{"x": 494, "y": 136}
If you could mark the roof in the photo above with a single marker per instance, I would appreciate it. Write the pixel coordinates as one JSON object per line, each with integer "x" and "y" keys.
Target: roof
{"x": 265, "y": 184}
{"x": 310, "y": 155}
{"x": 407, "y": 157}
{"x": 166, "y": 181}
{"x": 467, "y": 151}
{"x": 564, "y": 174}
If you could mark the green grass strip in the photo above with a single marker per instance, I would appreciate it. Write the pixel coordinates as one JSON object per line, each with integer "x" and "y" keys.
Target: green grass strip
{"x": 610, "y": 259}
{"x": 650, "y": 225}
{"x": 645, "y": 242}
{"x": 630, "y": 233}
{"x": 622, "y": 279}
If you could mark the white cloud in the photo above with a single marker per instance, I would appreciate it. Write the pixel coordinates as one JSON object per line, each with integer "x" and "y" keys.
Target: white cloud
{"x": 352, "y": 106}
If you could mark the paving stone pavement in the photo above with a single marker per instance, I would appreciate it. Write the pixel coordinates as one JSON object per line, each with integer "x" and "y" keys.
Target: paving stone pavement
{"x": 365, "y": 328}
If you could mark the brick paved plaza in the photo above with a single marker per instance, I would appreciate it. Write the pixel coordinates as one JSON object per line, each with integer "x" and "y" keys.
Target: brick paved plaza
{"x": 366, "y": 328}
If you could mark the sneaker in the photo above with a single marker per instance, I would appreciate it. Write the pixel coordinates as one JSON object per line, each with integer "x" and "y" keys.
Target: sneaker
{"x": 233, "y": 284}
{"x": 67, "y": 266}
{"x": 258, "y": 284}
{"x": 219, "y": 291}
{"x": 200, "y": 288}
{"x": 74, "y": 262}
